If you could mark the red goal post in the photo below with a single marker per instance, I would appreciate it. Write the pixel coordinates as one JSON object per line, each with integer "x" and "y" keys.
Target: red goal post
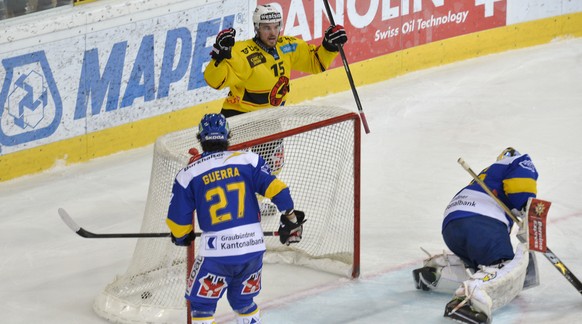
{"x": 314, "y": 150}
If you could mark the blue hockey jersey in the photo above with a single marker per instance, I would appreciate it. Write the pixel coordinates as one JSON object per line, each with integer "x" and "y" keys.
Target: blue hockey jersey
{"x": 513, "y": 180}
{"x": 221, "y": 187}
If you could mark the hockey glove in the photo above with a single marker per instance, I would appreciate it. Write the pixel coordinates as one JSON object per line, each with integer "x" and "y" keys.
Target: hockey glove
{"x": 290, "y": 231}
{"x": 223, "y": 46}
{"x": 335, "y": 36}
{"x": 184, "y": 240}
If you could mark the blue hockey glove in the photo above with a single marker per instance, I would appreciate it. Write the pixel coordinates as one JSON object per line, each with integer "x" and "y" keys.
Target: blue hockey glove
{"x": 223, "y": 46}
{"x": 289, "y": 231}
{"x": 185, "y": 240}
{"x": 335, "y": 36}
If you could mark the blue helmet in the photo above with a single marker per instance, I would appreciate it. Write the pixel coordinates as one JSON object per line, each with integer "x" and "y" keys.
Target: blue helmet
{"x": 213, "y": 127}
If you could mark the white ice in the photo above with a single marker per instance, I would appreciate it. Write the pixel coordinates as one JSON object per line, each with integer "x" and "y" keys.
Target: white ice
{"x": 420, "y": 124}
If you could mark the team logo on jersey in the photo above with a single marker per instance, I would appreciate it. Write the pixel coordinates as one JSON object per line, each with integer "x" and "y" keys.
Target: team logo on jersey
{"x": 252, "y": 284}
{"x": 279, "y": 91}
{"x": 256, "y": 59}
{"x": 211, "y": 286}
{"x": 528, "y": 164}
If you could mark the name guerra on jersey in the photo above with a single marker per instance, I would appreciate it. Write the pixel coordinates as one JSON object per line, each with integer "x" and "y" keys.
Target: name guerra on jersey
{"x": 220, "y": 174}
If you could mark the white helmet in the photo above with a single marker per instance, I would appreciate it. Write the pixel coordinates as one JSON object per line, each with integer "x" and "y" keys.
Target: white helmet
{"x": 266, "y": 14}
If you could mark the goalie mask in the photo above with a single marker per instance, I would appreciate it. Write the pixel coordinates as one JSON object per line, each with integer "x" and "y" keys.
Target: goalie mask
{"x": 266, "y": 14}
{"x": 508, "y": 152}
{"x": 213, "y": 127}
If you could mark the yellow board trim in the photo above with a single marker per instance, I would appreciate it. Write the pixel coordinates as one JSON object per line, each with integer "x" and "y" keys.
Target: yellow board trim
{"x": 145, "y": 132}
{"x": 80, "y": 2}
{"x": 438, "y": 53}
{"x": 101, "y": 143}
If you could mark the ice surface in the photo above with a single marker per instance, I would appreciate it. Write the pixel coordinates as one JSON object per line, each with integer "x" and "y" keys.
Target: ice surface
{"x": 420, "y": 124}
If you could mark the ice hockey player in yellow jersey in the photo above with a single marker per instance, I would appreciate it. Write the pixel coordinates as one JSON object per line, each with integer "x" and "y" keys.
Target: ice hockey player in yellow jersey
{"x": 258, "y": 70}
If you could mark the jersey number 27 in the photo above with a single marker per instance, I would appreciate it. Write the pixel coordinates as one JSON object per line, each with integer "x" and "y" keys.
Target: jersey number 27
{"x": 218, "y": 197}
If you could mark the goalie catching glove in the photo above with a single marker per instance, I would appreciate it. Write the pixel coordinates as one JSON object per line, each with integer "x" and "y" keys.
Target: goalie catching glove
{"x": 184, "y": 240}
{"x": 223, "y": 46}
{"x": 291, "y": 227}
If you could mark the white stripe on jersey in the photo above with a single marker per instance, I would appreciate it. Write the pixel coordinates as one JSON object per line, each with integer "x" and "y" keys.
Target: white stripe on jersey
{"x": 478, "y": 203}
{"x": 213, "y": 161}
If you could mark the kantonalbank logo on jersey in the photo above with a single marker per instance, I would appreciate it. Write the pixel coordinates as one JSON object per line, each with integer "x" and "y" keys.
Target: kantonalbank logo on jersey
{"x": 82, "y": 84}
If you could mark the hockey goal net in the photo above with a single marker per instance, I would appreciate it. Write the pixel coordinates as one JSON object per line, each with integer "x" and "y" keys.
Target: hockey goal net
{"x": 314, "y": 150}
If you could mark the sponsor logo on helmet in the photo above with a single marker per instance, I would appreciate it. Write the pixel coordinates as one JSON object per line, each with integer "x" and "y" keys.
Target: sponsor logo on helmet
{"x": 270, "y": 16}
{"x": 214, "y": 137}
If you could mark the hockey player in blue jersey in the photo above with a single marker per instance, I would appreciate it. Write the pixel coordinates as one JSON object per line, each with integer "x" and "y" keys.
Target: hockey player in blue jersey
{"x": 476, "y": 229}
{"x": 221, "y": 187}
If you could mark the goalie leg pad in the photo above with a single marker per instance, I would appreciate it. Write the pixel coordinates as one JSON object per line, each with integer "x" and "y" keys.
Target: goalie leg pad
{"x": 495, "y": 286}
{"x": 442, "y": 273}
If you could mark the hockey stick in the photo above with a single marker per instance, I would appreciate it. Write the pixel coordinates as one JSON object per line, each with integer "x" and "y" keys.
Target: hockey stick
{"x": 558, "y": 264}
{"x": 86, "y": 234}
{"x": 348, "y": 72}
{"x": 488, "y": 191}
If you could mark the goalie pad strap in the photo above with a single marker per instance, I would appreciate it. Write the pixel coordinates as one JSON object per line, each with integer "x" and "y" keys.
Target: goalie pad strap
{"x": 450, "y": 272}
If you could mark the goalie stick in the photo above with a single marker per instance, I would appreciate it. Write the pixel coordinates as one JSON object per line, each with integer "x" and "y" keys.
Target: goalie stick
{"x": 558, "y": 264}
{"x": 86, "y": 234}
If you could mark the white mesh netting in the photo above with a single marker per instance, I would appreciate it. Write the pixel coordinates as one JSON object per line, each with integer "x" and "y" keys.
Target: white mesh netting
{"x": 316, "y": 157}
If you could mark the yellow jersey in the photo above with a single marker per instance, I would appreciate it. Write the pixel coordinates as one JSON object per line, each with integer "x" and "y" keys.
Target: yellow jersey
{"x": 259, "y": 77}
